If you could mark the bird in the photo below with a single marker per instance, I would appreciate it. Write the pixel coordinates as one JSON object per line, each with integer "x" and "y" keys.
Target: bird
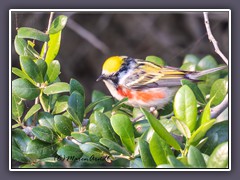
{"x": 144, "y": 83}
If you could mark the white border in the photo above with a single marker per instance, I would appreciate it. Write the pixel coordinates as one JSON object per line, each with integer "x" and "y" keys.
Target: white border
{"x": 116, "y": 11}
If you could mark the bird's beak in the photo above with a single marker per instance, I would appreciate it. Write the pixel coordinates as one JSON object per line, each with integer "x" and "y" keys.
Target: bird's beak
{"x": 101, "y": 77}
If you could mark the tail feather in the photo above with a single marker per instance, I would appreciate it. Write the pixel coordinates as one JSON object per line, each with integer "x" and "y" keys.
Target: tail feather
{"x": 196, "y": 75}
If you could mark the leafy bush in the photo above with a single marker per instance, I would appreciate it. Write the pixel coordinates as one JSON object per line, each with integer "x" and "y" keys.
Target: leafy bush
{"x": 59, "y": 131}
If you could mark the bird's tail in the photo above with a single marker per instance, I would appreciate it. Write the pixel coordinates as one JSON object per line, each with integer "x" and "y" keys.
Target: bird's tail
{"x": 196, "y": 75}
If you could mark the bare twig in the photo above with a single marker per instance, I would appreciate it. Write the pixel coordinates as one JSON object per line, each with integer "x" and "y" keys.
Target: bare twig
{"x": 91, "y": 38}
{"x": 47, "y": 32}
{"x": 212, "y": 39}
{"x": 216, "y": 111}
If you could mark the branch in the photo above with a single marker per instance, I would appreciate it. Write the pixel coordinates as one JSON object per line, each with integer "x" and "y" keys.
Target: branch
{"x": 85, "y": 34}
{"x": 212, "y": 39}
{"x": 217, "y": 110}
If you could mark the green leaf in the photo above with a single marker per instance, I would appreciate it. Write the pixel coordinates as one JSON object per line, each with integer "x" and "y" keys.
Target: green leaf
{"x": 37, "y": 149}
{"x": 63, "y": 125}
{"x": 123, "y": 127}
{"x": 215, "y": 136}
{"x": 159, "y": 149}
{"x": 21, "y": 139}
{"x": 70, "y": 152}
{"x": 76, "y": 107}
{"x": 94, "y": 132}
{"x": 156, "y": 60}
{"x": 42, "y": 66}
{"x": 114, "y": 146}
{"x": 91, "y": 149}
{"x": 185, "y": 107}
{"x": 18, "y": 155}
{"x": 58, "y": 24}
{"x": 182, "y": 127}
{"x": 190, "y": 58}
{"x": 61, "y": 104}
{"x": 44, "y": 134}
{"x": 95, "y": 103}
{"x": 136, "y": 163}
{"x": 31, "y": 69}
{"x": 20, "y": 45}
{"x": 145, "y": 153}
{"x": 22, "y": 75}
{"x": 104, "y": 126}
{"x": 53, "y": 47}
{"x": 53, "y": 71}
{"x": 206, "y": 114}
{"x": 207, "y": 62}
{"x": 24, "y": 89}
{"x": 219, "y": 90}
{"x": 197, "y": 92}
{"x": 188, "y": 67}
{"x": 195, "y": 158}
{"x": 219, "y": 157}
{"x": 46, "y": 119}
{"x": 175, "y": 163}
{"x": 35, "y": 108}
{"x": 17, "y": 107}
{"x": 200, "y": 132}
{"x": 81, "y": 137}
{"x": 97, "y": 95}
{"x": 31, "y": 33}
{"x": 160, "y": 130}
{"x": 58, "y": 87}
{"x": 76, "y": 86}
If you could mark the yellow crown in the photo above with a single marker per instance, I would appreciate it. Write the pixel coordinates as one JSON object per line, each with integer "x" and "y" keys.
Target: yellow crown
{"x": 112, "y": 64}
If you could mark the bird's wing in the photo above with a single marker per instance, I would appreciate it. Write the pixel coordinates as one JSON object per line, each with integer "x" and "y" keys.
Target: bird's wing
{"x": 149, "y": 75}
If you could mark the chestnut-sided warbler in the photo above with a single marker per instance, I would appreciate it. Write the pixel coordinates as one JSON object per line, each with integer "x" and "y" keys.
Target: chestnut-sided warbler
{"x": 144, "y": 83}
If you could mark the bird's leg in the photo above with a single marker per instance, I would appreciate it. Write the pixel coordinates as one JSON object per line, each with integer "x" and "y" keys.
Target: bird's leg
{"x": 152, "y": 110}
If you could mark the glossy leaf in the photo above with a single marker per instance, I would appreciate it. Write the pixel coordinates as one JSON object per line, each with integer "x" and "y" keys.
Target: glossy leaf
{"x": 145, "y": 153}
{"x": 104, "y": 126}
{"x": 195, "y": 158}
{"x": 18, "y": 155}
{"x": 61, "y": 104}
{"x": 219, "y": 157}
{"x": 63, "y": 125}
{"x": 31, "y": 33}
{"x": 123, "y": 127}
{"x": 159, "y": 149}
{"x": 31, "y": 69}
{"x": 136, "y": 163}
{"x": 97, "y": 95}
{"x": 95, "y": 103}
{"x": 53, "y": 47}
{"x": 20, "y": 45}
{"x": 24, "y": 89}
{"x": 22, "y": 75}
{"x": 219, "y": 90}
{"x": 76, "y": 107}
{"x": 92, "y": 149}
{"x": 190, "y": 58}
{"x": 76, "y": 86}
{"x": 21, "y": 139}
{"x": 182, "y": 127}
{"x": 215, "y": 136}
{"x": 46, "y": 119}
{"x": 206, "y": 114}
{"x": 197, "y": 92}
{"x": 81, "y": 137}
{"x": 188, "y": 67}
{"x": 37, "y": 149}
{"x": 42, "y": 66}
{"x": 17, "y": 107}
{"x": 53, "y": 71}
{"x": 70, "y": 152}
{"x": 58, "y": 24}
{"x": 160, "y": 130}
{"x": 44, "y": 134}
{"x": 185, "y": 107}
{"x": 35, "y": 108}
{"x": 200, "y": 132}
{"x": 114, "y": 146}
{"x": 156, "y": 60}
{"x": 175, "y": 163}
{"x": 58, "y": 87}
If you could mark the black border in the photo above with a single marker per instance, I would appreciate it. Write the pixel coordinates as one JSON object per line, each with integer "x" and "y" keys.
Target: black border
{"x": 225, "y": 4}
